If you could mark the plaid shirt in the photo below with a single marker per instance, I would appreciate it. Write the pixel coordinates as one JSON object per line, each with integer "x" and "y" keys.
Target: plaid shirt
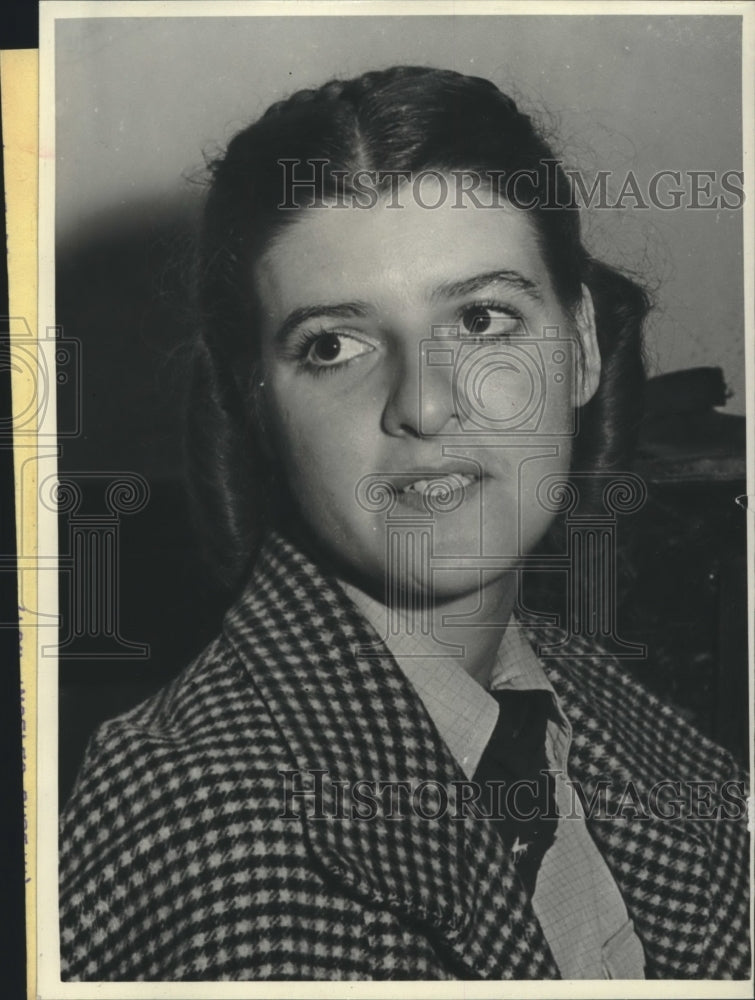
{"x": 178, "y": 860}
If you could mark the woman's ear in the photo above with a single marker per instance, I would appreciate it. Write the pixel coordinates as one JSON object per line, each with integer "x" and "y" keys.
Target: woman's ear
{"x": 589, "y": 369}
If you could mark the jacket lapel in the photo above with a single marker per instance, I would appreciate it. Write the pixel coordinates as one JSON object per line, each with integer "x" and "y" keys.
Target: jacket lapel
{"x": 348, "y": 720}
{"x": 660, "y": 864}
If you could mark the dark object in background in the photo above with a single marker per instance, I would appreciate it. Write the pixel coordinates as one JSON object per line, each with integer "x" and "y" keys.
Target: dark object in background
{"x": 689, "y": 601}
{"x": 683, "y": 437}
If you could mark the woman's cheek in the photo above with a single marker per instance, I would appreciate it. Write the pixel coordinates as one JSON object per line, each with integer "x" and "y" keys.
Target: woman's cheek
{"x": 542, "y": 483}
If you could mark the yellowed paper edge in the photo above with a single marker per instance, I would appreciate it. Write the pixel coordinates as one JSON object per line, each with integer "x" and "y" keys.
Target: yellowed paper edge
{"x": 19, "y": 84}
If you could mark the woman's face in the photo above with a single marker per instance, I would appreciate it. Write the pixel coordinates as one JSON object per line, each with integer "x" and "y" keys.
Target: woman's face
{"x": 425, "y": 349}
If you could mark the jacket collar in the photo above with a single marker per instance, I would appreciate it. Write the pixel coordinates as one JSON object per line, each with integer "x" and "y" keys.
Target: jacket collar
{"x": 353, "y": 719}
{"x": 618, "y": 751}
{"x": 356, "y": 719}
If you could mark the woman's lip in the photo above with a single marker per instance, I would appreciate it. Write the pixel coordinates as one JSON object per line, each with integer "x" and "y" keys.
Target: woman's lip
{"x": 439, "y": 490}
{"x": 450, "y": 481}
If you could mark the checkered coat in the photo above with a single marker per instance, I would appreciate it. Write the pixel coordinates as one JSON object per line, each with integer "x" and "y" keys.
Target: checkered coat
{"x": 177, "y": 862}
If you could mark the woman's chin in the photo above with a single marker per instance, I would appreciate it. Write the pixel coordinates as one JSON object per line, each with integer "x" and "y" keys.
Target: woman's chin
{"x": 444, "y": 587}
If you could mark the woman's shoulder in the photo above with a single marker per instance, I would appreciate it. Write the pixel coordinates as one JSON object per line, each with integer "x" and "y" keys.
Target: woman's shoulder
{"x": 172, "y": 798}
{"x": 205, "y": 720}
{"x": 609, "y": 706}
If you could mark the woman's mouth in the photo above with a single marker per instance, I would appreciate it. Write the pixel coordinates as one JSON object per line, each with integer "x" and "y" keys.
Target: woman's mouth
{"x": 447, "y": 482}
{"x": 437, "y": 493}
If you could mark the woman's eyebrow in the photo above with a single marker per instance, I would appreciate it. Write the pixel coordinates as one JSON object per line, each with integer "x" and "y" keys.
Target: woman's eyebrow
{"x": 339, "y": 310}
{"x": 465, "y": 286}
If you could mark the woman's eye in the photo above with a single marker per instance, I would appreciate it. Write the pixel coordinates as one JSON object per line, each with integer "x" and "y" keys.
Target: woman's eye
{"x": 489, "y": 321}
{"x": 328, "y": 350}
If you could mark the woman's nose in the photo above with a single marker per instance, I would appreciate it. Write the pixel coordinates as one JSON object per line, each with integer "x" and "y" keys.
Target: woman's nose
{"x": 421, "y": 401}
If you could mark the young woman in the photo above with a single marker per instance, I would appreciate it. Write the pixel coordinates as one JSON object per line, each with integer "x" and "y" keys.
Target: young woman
{"x": 406, "y": 355}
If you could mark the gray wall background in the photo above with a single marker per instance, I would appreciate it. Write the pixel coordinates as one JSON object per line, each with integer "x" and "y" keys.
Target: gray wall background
{"x": 140, "y": 101}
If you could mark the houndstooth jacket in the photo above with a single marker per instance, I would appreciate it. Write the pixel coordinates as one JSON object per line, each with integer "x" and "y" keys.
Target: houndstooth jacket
{"x": 177, "y": 862}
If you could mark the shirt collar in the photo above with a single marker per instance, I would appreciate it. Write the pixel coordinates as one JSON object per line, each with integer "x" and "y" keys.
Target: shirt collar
{"x": 464, "y": 713}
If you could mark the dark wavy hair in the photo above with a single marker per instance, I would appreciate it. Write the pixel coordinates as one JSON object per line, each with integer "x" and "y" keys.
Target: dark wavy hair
{"x": 408, "y": 119}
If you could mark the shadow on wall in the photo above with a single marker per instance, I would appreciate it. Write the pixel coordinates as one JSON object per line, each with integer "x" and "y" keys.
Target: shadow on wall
{"x": 124, "y": 291}
{"x": 124, "y": 294}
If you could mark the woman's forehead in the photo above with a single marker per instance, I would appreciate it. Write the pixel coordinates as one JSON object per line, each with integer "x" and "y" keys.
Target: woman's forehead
{"x": 332, "y": 252}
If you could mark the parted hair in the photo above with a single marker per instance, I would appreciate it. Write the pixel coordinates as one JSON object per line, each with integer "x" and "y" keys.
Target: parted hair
{"x": 401, "y": 119}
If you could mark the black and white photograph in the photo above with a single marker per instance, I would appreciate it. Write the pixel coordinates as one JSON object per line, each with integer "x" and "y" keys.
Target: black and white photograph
{"x": 396, "y": 626}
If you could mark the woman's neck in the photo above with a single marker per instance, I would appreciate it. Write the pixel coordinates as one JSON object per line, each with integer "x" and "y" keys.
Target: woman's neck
{"x": 435, "y": 629}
